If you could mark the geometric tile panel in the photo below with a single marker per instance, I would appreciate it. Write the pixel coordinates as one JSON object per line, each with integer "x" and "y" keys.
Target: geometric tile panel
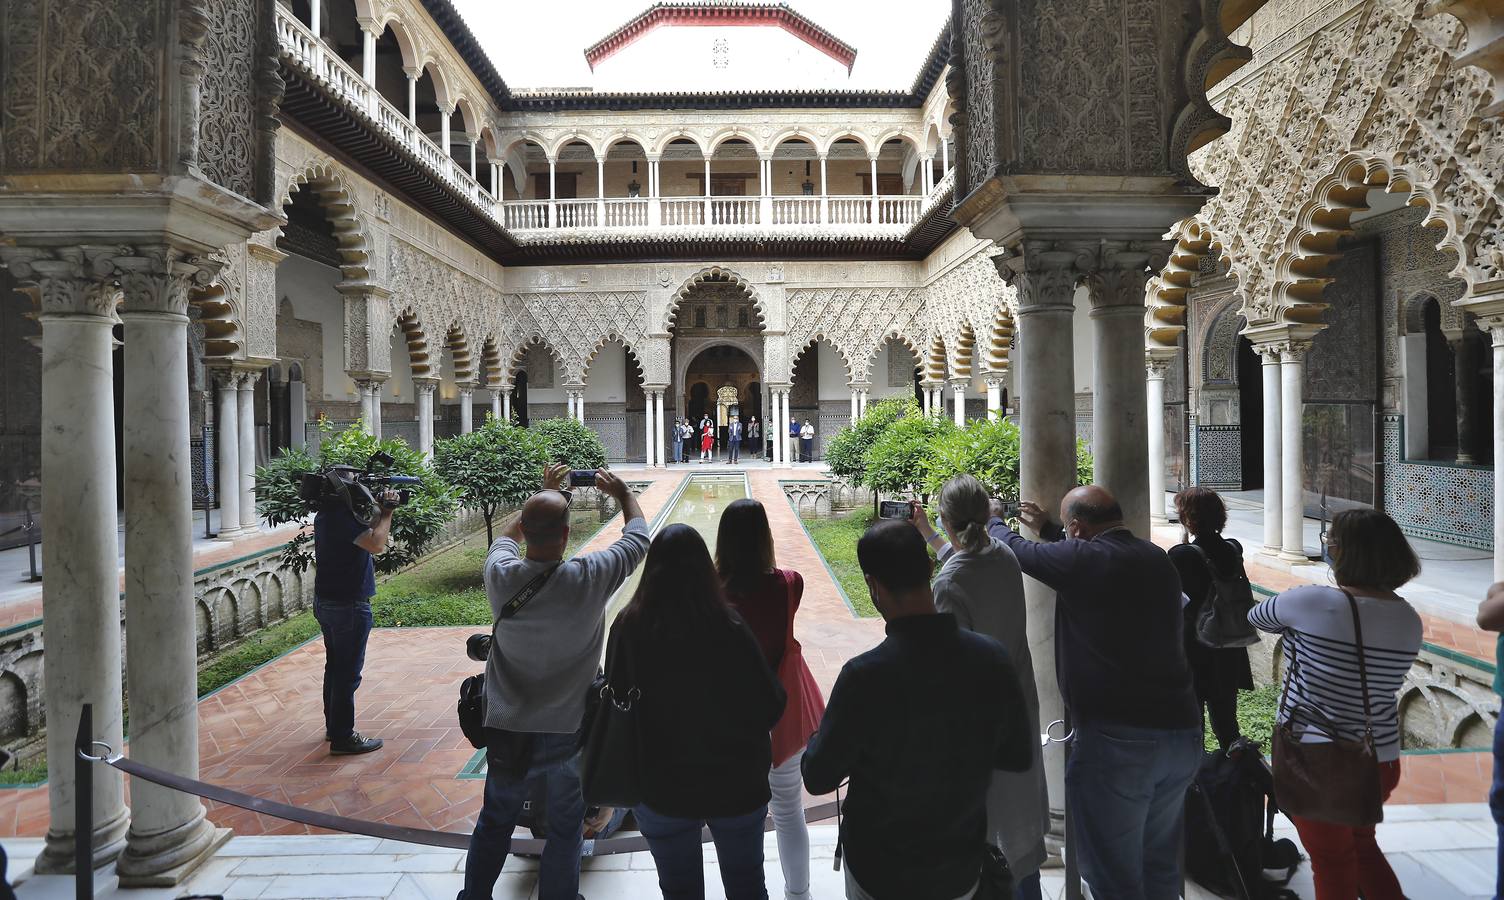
{"x": 1219, "y": 456}
{"x": 1436, "y": 501}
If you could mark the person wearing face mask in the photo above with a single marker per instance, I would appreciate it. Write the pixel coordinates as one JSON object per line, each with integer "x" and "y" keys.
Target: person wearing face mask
{"x": 1127, "y": 687}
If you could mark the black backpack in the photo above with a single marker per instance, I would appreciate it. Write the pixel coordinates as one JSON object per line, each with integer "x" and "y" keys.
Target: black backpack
{"x": 1229, "y": 828}
{"x": 1223, "y": 619}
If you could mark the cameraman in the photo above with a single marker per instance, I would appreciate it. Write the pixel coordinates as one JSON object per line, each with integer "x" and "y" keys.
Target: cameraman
{"x": 343, "y": 583}
{"x": 537, "y": 673}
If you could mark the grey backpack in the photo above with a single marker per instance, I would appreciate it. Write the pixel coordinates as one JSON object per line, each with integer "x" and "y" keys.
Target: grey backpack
{"x": 1223, "y": 620}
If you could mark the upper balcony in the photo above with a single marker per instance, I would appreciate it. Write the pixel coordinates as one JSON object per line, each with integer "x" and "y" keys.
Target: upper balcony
{"x": 636, "y": 188}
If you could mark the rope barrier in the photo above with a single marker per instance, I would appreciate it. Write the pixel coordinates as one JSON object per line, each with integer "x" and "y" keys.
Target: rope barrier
{"x": 448, "y": 840}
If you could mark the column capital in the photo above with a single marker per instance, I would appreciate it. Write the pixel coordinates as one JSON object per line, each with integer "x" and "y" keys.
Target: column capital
{"x": 995, "y": 378}
{"x": 655, "y": 388}
{"x": 370, "y": 26}
{"x": 859, "y": 385}
{"x": 69, "y": 281}
{"x": 1120, "y": 272}
{"x": 1044, "y": 273}
{"x": 247, "y": 379}
{"x": 424, "y": 385}
{"x": 465, "y": 390}
{"x": 157, "y": 279}
{"x": 412, "y": 72}
{"x": 959, "y": 383}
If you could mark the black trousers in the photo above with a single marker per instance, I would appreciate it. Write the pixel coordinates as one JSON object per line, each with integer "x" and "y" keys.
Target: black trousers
{"x": 1222, "y": 709}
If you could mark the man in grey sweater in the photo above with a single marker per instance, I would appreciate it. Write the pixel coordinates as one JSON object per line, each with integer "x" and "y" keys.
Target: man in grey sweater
{"x": 541, "y": 663}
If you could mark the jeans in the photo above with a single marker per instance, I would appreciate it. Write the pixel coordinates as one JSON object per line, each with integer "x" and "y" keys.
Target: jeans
{"x": 1496, "y": 799}
{"x": 675, "y": 845}
{"x": 346, "y": 626}
{"x": 1028, "y": 888}
{"x": 678, "y": 451}
{"x": 806, "y": 449}
{"x": 787, "y": 807}
{"x": 555, "y": 762}
{"x": 734, "y": 450}
{"x": 1345, "y": 860}
{"x": 1125, "y": 797}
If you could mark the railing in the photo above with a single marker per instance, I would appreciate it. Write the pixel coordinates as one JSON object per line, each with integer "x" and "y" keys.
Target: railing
{"x": 342, "y": 80}
{"x": 733, "y": 210}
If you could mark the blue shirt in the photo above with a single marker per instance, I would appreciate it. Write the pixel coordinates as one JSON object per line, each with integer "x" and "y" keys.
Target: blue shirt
{"x": 344, "y": 571}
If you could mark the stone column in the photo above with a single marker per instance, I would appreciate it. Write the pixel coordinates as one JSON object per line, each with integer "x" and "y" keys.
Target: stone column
{"x": 579, "y": 405}
{"x": 445, "y": 112}
{"x": 249, "y": 521}
{"x": 1292, "y": 358}
{"x": 866, "y": 395}
{"x": 1465, "y": 369}
{"x": 79, "y": 553}
{"x": 1045, "y": 277}
{"x": 659, "y": 435}
{"x": 958, "y": 399}
{"x": 467, "y": 411}
{"x": 655, "y": 206}
{"x": 423, "y": 389}
{"x": 375, "y": 389}
{"x": 368, "y": 36}
{"x": 169, "y": 834}
{"x": 1495, "y": 328}
{"x": 649, "y": 429}
{"x": 553, "y": 203}
{"x": 369, "y": 397}
{"x": 928, "y": 396}
{"x": 995, "y": 394}
{"x": 506, "y": 404}
{"x": 824, "y": 192}
{"x": 856, "y": 404}
{"x": 781, "y": 426}
{"x": 227, "y": 446}
{"x": 600, "y": 191}
{"x": 412, "y": 93}
{"x": 873, "y": 166}
{"x": 496, "y": 412}
{"x": 1273, "y": 466}
{"x": 1156, "y": 364}
{"x": 1119, "y": 401}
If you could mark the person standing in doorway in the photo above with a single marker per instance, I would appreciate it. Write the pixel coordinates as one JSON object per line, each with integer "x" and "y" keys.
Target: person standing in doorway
{"x": 687, "y": 438}
{"x": 807, "y": 442}
{"x": 793, "y": 452}
{"x": 677, "y": 432}
{"x": 734, "y": 440}
{"x": 707, "y": 438}
{"x": 344, "y": 581}
{"x": 754, "y": 437}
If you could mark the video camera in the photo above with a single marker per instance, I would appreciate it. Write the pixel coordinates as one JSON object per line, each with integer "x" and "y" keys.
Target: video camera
{"x": 356, "y": 489}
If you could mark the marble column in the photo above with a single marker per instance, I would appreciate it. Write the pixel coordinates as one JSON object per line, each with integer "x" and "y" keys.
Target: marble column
{"x": 928, "y": 396}
{"x": 250, "y": 522}
{"x": 227, "y": 448}
{"x": 1045, "y": 278}
{"x": 1273, "y": 445}
{"x": 995, "y": 394}
{"x": 1120, "y": 441}
{"x": 169, "y": 834}
{"x": 1292, "y": 494}
{"x": 496, "y": 412}
{"x": 467, "y": 410}
{"x": 79, "y": 555}
{"x": 374, "y": 425}
{"x": 856, "y": 405}
{"x": 1156, "y": 364}
{"x": 423, "y": 389}
{"x": 1495, "y": 327}
{"x": 866, "y": 395}
{"x": 369, "y": 398}
{"x": 958, "y": 399}
{"x": 579, "y": 406}
{"x": 649, "y": 429}
{"x": 772, "y": 425}
{"x": 659, "y": 435}
{"x": 506, "y": 404}
{"x": 1465, "y": 373}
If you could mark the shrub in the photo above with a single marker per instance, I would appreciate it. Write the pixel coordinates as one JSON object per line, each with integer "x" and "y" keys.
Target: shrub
{"x": 846, "y": 453}
{"x": 494, "y": 466}
{"x": 896, "y": 461}
{"x": 569, "y": 442}
{"x": 985, "y": 448}
{"x": 415, "y": 525}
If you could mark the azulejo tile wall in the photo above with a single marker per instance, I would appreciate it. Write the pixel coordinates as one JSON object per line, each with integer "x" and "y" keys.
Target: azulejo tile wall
{"x": 1437, "y": 501}
{"x": 1219, "y": 456}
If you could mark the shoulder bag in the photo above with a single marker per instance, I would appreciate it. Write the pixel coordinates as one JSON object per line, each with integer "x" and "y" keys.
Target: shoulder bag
{"x": 805, "y": 707}
{"x": 1334, "y": 781}
{"x": 610, "y": 764}
{"x": 472, "y": 705}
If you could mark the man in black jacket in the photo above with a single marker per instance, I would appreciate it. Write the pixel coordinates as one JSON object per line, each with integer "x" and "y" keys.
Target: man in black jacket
{"x": 1123, "y": 673}
{"x": 918, "y": 724}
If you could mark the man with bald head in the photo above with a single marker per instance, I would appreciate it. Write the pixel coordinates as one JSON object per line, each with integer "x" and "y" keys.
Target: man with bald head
{"x": 1127, "y": 688}
{"x": 551, "y": 628}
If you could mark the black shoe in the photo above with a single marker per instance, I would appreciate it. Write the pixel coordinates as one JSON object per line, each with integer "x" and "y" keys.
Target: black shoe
{"x": 355, "y": 744}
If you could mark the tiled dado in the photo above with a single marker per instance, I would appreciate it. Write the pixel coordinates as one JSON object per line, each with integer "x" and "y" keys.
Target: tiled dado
{"x": 1219, "y": 456}
{"x": 1436, "y": 501}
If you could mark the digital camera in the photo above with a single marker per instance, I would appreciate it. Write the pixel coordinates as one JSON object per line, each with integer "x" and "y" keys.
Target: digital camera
{"x": 356, "y": 489}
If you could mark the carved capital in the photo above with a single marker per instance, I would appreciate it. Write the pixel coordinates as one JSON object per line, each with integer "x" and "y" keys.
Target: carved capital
{"x": 76, "y": 281}
{"x": 424, "y": 387}
{"x": 158, "y": 279}
{"x": 1044, "y": 273}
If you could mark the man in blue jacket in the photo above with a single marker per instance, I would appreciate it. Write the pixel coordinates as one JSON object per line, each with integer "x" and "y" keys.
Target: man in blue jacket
{"x": 1127, "y": 688}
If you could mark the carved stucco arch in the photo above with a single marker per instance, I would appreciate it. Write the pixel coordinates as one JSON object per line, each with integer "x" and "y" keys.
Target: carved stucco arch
{"x": 1219, "y": 337}
{"x": 337, "y": 198}
{"x": 536, "y": 339}
{"x": 999, "y": 342}
{"x": 1301, "y": 270}
{"x": 491, "y": 363}
{"x": 614, "y": 338}
{"x": 810, "y": 344}
{"x": 936, "y": 359}
{"x": 457, "y": 342}
{"x": 715, "y": 272}
{"x": 416, "y": 337}
{"x": 405, "y": 43}
{"x": 961, "y": 358}
{"x": 748, "y": 344}
{"x": 1165, "y": 294}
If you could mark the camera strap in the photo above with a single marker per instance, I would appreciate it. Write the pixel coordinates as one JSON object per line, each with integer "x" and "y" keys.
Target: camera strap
{"x": 528, "y": 592}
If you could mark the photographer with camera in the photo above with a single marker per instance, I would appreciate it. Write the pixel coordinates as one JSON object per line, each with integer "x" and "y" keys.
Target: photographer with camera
{"x": 343, "y": 583}
{"x": 545, "y": 652}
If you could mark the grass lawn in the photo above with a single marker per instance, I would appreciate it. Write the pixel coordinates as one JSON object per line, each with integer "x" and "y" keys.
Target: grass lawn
{"x": 835, "y": 537}
{"x": 1256, "y": 709}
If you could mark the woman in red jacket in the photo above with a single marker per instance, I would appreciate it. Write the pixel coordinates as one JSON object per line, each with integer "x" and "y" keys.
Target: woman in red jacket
{"x": 707, "y": 439}
{"x": 767, "y": 598}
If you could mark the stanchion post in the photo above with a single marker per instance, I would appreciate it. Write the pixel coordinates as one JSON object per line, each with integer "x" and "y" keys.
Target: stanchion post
{"x": 83, "y": 808}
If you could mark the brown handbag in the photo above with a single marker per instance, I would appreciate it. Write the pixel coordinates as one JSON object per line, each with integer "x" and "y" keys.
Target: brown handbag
{"x": 1334, "y": 781}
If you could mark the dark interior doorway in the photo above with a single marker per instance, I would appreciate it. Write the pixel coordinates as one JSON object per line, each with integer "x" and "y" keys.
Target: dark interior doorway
{"x": 1251, "y": 414}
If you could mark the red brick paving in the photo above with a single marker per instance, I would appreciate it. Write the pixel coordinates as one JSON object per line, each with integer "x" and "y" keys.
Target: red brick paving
{"x": 264, "y": 734}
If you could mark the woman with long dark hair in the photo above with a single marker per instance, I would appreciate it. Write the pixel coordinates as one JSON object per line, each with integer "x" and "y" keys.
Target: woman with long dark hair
{"x": 1326, "y": 660}
{"x": 707, "y": 702}
{"x": 767, "y": 598}
{"x": 1218, "y": 672}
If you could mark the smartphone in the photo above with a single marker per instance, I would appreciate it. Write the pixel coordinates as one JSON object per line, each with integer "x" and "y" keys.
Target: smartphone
{"x": 894, "y": 509}
{"x": 1011, "y": 509}
{"x": 582, "y": 477}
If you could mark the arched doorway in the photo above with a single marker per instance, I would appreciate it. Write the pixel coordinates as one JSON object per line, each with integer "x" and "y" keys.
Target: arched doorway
{"x": 717, "y": 344}
{"x": 724, "y": 382}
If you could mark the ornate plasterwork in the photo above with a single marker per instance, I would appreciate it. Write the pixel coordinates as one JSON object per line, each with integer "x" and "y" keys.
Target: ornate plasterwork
{"x": 1372, "y": 100}
{"x": 329, "y": 183}
{"x": 856, "y": 321}
{"x": 228, "y": 140}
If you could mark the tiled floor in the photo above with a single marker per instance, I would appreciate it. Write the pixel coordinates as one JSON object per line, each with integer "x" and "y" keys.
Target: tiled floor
{"x": 1438, "y": 852}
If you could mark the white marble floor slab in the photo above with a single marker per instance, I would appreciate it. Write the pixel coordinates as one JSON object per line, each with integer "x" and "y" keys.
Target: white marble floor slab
{"x": 1442, "y": 852}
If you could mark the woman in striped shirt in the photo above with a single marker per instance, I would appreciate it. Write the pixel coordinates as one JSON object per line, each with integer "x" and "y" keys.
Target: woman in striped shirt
{"x": 1370, "y": 560}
